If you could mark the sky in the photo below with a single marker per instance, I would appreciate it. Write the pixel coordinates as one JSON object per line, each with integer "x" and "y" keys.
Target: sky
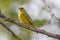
{"x": 34, "y": 9}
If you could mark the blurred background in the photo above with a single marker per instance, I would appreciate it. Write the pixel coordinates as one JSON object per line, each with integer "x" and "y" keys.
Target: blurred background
{"x": 38, "y": 11}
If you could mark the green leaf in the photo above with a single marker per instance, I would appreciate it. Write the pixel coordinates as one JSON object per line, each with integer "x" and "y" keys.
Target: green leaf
{"x": 39, "y": 23}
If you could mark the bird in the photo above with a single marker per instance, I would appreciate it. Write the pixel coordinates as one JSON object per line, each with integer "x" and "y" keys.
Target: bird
{"x": 24, "y": 17}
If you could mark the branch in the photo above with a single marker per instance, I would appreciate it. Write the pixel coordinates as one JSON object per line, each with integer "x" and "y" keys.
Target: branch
{"x": 50, "y": 10}
{"x": 28, "y": 27}
{"x": 10, "y": 30}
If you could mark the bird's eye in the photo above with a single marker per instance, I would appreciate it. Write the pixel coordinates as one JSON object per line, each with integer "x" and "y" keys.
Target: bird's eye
{"x": 21, "y": 8}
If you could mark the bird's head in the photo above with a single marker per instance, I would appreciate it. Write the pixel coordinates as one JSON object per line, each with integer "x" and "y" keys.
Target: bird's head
{"x": 21, "y": 8}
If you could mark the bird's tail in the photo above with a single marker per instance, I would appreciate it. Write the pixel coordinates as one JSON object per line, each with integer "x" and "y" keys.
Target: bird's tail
{"x": 34, "y": 26}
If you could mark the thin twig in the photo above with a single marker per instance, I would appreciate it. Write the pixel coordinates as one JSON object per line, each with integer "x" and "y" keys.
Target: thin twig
{"x": 50, "y": 10}
{"x": 28, "y": 27}
{"x": 9, "y": 30}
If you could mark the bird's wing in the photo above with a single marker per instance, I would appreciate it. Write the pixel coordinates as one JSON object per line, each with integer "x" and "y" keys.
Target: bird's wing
{"x": 28, "y": 17}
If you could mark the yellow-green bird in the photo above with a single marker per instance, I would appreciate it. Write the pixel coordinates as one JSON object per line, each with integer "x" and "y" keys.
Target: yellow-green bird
{"x": 25, "y": 18}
